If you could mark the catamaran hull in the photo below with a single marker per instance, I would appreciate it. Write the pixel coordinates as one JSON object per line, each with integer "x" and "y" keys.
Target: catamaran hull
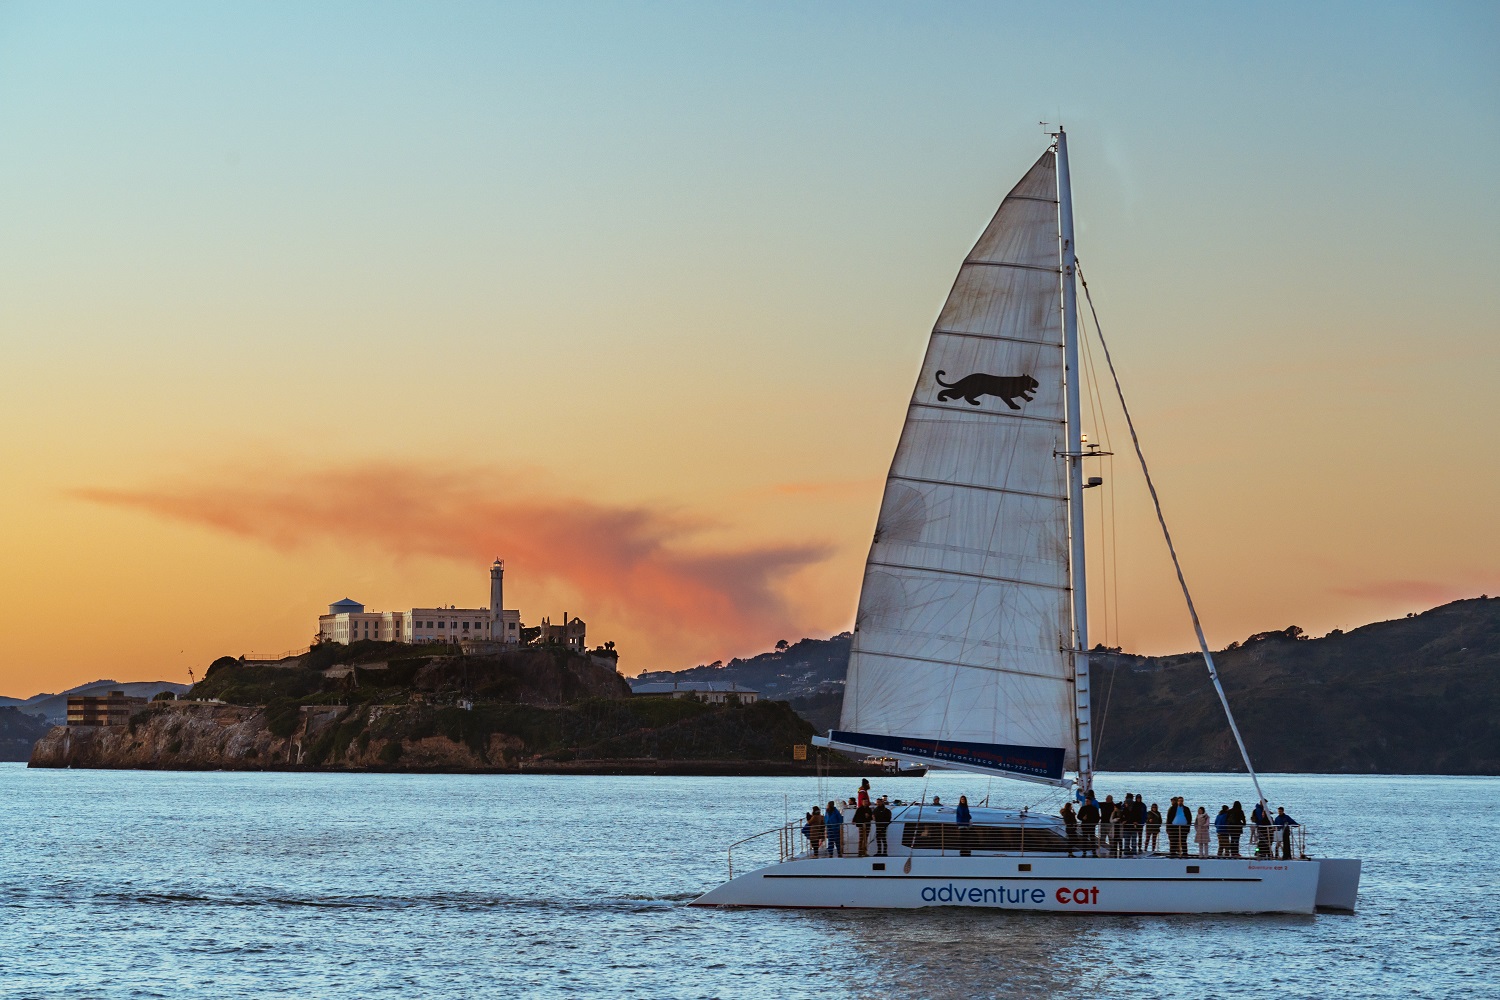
{"x": 1063, "y": 885}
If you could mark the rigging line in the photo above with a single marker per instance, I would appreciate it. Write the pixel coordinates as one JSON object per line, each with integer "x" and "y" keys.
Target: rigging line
{"x": 1096, "y": 409}
{"x": 1208, "y": 657}
{"x": 1110, "y": 557}
{"x": 1097, "y": 736}
{"x": 1104, "y": 716}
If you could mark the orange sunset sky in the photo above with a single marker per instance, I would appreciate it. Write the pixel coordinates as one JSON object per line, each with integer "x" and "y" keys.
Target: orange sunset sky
{"x": 303, "y": 303}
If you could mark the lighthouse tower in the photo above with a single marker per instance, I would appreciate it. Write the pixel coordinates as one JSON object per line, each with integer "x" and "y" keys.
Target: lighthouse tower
{"x": 497, "y": 590}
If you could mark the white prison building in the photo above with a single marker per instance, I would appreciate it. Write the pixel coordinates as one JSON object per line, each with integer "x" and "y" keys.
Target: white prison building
{"x": 347, "y": 621}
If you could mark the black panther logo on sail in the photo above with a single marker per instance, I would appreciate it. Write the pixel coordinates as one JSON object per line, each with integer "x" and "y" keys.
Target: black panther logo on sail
{"x": 971, "y": 387}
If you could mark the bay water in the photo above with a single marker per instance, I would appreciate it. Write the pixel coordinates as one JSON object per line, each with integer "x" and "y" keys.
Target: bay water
{"x": 190, "y": 884}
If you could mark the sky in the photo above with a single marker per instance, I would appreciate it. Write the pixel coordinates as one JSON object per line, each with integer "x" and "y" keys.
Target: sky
{"x": 309, "y": 301}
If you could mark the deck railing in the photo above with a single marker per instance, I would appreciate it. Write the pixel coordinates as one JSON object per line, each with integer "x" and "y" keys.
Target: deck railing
{"x": 787, "y": 842}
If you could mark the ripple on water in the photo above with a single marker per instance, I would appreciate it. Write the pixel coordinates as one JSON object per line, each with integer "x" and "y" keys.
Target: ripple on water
{"x": 139, "y": 884}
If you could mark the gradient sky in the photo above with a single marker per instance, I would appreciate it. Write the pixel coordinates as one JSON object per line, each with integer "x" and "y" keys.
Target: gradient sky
{"x": 301, "y": 302}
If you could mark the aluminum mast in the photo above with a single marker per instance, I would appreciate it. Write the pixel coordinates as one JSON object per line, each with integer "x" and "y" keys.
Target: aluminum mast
{"x": 1080, "y": 639}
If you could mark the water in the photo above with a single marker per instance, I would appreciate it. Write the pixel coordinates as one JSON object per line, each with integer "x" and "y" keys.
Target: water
{"x": 147, "y": 884}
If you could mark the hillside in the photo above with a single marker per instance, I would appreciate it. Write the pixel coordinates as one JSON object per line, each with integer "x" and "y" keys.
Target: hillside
{"x": 809, "y": 674}
{"x": 18, "y": 731}
{"x": 383, "y": 706}
{"x": 1417, "y": 695}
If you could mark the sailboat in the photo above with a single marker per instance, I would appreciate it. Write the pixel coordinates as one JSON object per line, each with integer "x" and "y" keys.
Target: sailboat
{"x": 970, "y": 646}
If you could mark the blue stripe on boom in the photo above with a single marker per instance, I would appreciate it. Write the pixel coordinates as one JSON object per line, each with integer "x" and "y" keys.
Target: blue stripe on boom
{"x": 1038, "y": 762}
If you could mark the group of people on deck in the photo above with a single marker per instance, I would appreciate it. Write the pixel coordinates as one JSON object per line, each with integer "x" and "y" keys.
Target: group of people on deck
{"x": 1109, "y": 828}
{"x": 1128, "y": 828}
{"x": 830, "y": 827}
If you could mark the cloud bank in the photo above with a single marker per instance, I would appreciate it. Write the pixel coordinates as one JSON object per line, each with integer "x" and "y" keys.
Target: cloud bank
{"x": 641, "y": 565}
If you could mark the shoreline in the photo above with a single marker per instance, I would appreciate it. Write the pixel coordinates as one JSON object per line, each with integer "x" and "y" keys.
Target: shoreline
{"x": 596, "y": 768}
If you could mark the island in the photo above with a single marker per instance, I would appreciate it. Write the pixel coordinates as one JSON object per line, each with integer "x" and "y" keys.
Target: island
{"x": 385, "y": 706}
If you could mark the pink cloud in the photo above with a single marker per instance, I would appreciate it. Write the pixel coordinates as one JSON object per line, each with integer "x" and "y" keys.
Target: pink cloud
{"x": 1425, "y": 592}
{"x": 641, "y": 564}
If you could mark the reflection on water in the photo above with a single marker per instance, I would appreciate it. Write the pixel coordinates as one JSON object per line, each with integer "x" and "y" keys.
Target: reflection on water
{"x": 119, "y": 884}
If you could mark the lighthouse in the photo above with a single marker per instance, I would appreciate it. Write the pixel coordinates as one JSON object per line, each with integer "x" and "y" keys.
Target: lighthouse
{"x": 497, "y": 592}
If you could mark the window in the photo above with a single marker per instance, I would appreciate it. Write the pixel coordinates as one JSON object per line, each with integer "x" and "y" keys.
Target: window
{"x": 512, "y": 626}
{"x": 466, "y": 626}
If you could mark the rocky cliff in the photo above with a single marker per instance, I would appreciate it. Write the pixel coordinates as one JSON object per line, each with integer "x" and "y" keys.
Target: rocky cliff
{"x": 543, "y": 709}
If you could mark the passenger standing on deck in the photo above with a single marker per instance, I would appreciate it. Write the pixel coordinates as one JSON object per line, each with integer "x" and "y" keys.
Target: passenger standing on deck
{"x": 862, "y": 818}
{"x": 1137, "y": 824}
{"x": 1178, "y": 821}
{"x": 962, "y": 819}
{"x": 1153, "y": 829}
{"x": 835, "y": 822}
{"x": 1088, "y": 818}
{"x": 882, "y": 814}
{"x": 1200, "y": 824}
{"x": 864, "y": 792}
{"x": 1070, "y": 824}
{"x": 1236, "y": 827}
{"x": 815, "y": 830}
{"x": 1221, "y": 827}
{"x": 1262, "y": 821}
{"x": 1284, "y": 824}
{"x": 1107, "y": 818}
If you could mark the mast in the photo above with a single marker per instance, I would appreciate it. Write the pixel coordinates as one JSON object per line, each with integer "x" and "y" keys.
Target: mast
{"x": 1080, "y": 639}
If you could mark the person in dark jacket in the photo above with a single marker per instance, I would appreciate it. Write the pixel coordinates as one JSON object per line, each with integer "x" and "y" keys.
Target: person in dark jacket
{"x": 1284, "y": 824}
{"x": 835, "y": 823}
{"x": 1236, "y": 827}
{"x": 1070, "y": 824}
{"x": 1153, "y": 829}
{"x": 1262, "y": 821}
{"x": 1137, "y": 824}
{"x": 1106, "y": 819}
{"x": 1088, "y": 822}
{"x": 882, "y": 815}
{"x": 1179, "y": 820}
{"x": 962, "y": 819}
{"x": 863, "y": 816}
{"x": 1221, "y": 829}
{"x": 815, "y": 830}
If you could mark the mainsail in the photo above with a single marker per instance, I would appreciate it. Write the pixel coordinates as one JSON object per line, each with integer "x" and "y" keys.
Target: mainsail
{"x": 960, "y": 650}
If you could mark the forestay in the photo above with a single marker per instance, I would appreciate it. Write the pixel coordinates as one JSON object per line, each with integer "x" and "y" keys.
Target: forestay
{"x": 959, "y": 644}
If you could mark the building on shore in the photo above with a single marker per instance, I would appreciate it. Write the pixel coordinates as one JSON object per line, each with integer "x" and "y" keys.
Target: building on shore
{"x": 708, "y": 692}
{"x": 348, "y": 621}
{"x": 113, "y": 709}
{"x": 570, "y": 633}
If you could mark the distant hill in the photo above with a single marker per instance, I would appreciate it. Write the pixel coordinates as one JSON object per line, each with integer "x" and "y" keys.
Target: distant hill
{"x": 18, "y": 731}
{"x": 1417, "y": 695}
{"x": 809, "y": 674}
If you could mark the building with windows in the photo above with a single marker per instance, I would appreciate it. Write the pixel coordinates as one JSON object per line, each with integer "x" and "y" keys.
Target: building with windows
{"x": 569, "y": 633}
{"x": 708, "y": 692}
{"x": 114, "y": 709}
{"x": 347, "y": 621}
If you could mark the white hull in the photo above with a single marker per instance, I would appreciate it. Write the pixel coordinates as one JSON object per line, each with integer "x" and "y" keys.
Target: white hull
{"x": 1060, "y": 884}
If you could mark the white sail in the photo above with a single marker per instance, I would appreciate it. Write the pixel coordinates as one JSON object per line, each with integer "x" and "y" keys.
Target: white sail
{"x": 959, "y": 644}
